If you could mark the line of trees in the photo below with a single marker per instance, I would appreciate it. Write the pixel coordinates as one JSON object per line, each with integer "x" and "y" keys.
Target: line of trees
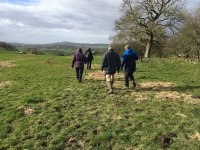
{"x": 6, "y": 46}
{"x": 160, "y": 27}
{"x": 187, "y": 40}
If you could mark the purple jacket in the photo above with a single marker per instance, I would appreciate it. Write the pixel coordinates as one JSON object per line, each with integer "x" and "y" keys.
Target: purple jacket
{"x": 79, "y": 59}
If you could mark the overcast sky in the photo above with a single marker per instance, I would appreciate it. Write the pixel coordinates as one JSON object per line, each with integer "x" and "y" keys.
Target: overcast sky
{"x": 47, "y": 21}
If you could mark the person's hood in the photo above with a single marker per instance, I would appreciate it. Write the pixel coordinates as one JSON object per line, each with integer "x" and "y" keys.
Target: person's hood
{"x": 79, "y": 50}
{"x": 128, "y": 51}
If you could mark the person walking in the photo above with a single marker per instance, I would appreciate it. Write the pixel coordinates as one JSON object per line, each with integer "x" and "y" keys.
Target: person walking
{"x": 129, "y": 62}
{"x": 78, "y": 61}
{"x": 111, "y": 64}
{"x": 89, "y": 57}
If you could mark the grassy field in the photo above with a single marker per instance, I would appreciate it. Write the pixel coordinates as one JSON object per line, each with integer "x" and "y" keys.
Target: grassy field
{"x": 42, "y": 106}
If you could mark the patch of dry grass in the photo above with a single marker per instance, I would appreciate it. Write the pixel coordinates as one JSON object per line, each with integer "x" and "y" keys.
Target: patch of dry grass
{"x": 97, "y": 75}
{"x": 27, "y": 110}
{"x": 173, "y": 95}
{"x": 6, "y": 64}
{"x": 158, "y": 86}
{"x": 181, "y": 115}
{"x": 5, "y": 84}
{"x": 96, "y": 66}
{"x": 162, "y": 90}
{"x": 196, "y": 136}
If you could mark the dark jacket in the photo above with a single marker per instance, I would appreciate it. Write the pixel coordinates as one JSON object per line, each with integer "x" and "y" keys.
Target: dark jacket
{"x": 129, "y": 59}
{"x": 89, "y": 55}
{"x": 79, "y": 59}
{"x": 111, "y": 62}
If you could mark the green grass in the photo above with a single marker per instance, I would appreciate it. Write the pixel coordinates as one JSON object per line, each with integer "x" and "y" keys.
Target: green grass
{"x": 72, "y": 115}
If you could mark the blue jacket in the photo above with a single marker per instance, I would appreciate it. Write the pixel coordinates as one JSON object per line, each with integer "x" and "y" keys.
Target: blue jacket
{"x": 128, "y": 59}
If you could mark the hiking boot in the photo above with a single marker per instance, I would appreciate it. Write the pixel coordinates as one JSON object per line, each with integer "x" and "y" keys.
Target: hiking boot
{"x": 109, "y": 84}
{"x": 134, "y": 84}
{"x": 126, "y": 87}
{"x": 110, "y": 92}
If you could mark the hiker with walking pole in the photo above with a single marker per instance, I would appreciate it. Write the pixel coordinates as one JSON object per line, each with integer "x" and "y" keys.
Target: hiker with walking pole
{"x": 78, "y": 61}
{"x": 89, "y": 58}
{"x": 129, "y": 62}
{"x": 111, "y": 64}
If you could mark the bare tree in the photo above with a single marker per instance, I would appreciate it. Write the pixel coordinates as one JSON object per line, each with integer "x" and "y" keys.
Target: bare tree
{"x": 148, "y": 20}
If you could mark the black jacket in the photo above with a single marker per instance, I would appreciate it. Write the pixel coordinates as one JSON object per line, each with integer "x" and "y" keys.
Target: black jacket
{"x": 111, "y": 62}
{"x": 89, "y": 55}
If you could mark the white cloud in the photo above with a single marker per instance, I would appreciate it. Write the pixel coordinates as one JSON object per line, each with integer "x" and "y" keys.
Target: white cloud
{"x": 192, "y": 4}
{"x": 45, "y": 21}
{"x": 48, "y": 21}
{"x": 8, "y": 23}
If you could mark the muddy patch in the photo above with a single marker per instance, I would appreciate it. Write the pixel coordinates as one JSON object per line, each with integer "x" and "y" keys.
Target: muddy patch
{"x": 6, "y": 64}
{"x": 75, "y": 143}
{"x": 5, "y": 84}
{"x": 48, "y": 62}
{"x": 164, "y": 141}
{"x": 98, "y": 130}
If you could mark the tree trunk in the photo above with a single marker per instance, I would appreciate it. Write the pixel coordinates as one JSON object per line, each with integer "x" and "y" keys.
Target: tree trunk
{"x": 148, "y": 46}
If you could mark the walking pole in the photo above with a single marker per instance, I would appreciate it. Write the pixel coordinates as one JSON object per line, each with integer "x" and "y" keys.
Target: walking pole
{"x": 85, "y": 73}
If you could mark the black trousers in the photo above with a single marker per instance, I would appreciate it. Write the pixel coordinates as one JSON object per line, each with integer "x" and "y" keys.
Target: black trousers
{"x": 89, "y": 63}
{"x": 79, "y": 73}
{"x": 128, "y": 74}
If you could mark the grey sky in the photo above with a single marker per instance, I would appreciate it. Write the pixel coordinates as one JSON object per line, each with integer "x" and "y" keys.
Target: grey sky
{"x": 46, "y": 21}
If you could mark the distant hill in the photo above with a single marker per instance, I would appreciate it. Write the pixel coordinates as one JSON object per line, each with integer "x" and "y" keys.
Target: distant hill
{"x": 62, "y": 45}
{"x": 59, "y": 48}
